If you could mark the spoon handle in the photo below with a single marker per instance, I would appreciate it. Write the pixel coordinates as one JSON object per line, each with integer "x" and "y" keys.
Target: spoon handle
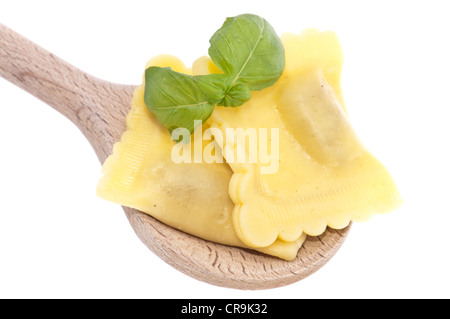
{"x": 96, "y": 107}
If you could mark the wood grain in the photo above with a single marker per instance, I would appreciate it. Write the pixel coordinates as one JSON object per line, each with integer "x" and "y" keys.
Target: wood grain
{"x": 98, "y": 108}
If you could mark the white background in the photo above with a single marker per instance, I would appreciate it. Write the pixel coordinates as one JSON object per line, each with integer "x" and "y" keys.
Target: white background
{"x": 58, "y": 240}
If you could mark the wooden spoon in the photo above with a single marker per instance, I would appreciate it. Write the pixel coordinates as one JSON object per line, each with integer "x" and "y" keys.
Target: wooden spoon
{"x": 98, "y": 108}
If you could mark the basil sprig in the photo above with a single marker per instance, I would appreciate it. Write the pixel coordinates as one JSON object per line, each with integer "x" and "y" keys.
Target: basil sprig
{"x": 248, "y": 52}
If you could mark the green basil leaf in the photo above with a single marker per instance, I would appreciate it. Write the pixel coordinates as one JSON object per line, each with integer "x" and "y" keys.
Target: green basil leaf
{"x": 175, "y": 98}
{"x": 213, "y": 86}
{"x": 216, "y": 88}
{"x": 248, "y": 49}
{"x": 236, "y": 96}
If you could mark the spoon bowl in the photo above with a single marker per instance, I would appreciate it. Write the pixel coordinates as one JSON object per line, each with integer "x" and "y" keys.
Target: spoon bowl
{"x": 98, "y": 108}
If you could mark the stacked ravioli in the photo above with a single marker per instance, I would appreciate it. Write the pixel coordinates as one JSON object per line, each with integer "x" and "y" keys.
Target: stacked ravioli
{"x": 324, "y": 178}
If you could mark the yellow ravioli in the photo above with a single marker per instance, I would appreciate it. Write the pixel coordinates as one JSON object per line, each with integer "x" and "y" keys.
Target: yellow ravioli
{"x": 190, "y": 197}
{"x": 325, "y": 176}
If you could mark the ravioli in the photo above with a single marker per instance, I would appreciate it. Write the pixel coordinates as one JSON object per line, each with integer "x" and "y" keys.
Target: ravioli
{"x": 325, "y": 176}
{"x": 322, "y": 175}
